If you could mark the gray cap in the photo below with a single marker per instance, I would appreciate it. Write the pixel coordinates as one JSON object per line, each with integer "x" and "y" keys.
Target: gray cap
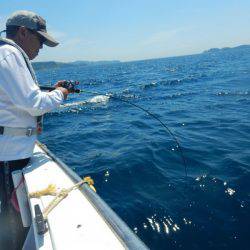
{"x": 31, "y": 21}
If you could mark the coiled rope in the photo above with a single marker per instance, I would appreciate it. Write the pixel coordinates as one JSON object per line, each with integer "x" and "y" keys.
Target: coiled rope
{"x": 59, "y": 196}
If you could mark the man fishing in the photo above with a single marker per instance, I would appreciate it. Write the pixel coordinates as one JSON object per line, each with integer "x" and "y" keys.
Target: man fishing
{"x": 22, "y": 105}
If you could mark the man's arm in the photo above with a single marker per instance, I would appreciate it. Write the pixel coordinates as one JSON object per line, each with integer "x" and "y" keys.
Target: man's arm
{"x": 17, "y": 83}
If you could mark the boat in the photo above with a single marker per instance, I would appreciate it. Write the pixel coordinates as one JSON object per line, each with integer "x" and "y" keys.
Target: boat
{"x": 80, "y": 220}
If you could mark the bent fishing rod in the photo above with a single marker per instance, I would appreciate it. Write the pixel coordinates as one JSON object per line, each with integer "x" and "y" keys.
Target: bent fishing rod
{"x": 72, "y": 87}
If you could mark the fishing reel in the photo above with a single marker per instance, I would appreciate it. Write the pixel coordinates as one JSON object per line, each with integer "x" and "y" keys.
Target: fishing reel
{"x": 71, "y": 86}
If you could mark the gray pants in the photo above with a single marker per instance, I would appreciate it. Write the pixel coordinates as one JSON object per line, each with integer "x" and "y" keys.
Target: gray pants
{"x": 12, "y": 232}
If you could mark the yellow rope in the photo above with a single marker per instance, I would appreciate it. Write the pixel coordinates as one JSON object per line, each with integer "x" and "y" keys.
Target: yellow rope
{"x": 51, "y": 190}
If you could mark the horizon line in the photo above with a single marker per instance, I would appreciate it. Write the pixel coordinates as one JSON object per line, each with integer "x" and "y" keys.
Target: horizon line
{"x": 137, "y": 60}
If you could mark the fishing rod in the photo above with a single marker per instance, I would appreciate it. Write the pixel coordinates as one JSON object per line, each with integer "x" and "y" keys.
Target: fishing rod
{"x": 72, "y": 87}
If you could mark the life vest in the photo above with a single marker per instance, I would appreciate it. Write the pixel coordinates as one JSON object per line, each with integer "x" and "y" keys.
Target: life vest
{"x": 31, "y": 70}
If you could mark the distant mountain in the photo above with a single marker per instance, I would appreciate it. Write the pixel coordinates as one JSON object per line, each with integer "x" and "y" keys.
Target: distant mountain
{"x": 235, "y": 51}
{"x": 94, "y": 62}
{"x": 241, "y": 48}
{"x": 52, "y": 64}
{"x": 45, "y": 65}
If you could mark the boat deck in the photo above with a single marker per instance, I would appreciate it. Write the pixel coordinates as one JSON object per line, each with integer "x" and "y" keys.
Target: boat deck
{"x": 82, "y": 219}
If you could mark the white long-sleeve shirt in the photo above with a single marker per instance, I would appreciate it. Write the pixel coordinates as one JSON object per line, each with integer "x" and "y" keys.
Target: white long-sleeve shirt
{"x": 21, "y": 101}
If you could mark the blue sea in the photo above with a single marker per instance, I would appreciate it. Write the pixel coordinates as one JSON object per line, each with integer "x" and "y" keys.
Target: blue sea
{"x": 136, "y": 164}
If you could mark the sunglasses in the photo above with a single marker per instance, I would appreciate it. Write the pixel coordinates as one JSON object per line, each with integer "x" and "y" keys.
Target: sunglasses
{"x": 40, "y": 38}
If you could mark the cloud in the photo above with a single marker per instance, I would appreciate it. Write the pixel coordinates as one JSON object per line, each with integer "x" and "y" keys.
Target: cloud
{"x": 160, "y": 37}
{"x": 2, "y": 22}
{"x": 192, "y": 11}
{"x": 68, "y": 41}
{"x": 57, "y": 34}
{"x": 70, "y": 48}
{"x": 76, "y": 41}
{"x": 163, "y": 37}
{"x": 3, "y": 18}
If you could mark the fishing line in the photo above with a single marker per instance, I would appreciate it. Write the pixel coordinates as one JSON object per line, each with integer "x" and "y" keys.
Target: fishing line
{"x": 71, "y": 85}
{"x": 152, "y": 115}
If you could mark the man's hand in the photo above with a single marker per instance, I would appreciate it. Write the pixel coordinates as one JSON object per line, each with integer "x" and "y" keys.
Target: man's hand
{"x": 65, "y": 91}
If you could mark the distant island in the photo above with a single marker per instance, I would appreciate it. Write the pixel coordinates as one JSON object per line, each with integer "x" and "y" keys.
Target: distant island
{"x": 241, "y": 48}
{"x": 53, "y": 64}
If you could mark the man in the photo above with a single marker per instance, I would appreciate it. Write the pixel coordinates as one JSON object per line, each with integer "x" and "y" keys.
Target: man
{"x": 21, "y": 105}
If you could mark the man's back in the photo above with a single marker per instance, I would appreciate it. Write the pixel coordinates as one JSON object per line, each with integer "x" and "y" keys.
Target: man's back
{"x": 21, "y": 101}
{"x": 12, "y": 70}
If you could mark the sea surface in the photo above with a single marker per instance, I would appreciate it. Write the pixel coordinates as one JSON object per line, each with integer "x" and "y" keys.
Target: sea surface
{"x": 136, "y": 164}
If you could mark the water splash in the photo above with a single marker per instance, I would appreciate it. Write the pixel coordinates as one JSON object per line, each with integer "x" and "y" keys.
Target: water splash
{"x": 99, "y": 99}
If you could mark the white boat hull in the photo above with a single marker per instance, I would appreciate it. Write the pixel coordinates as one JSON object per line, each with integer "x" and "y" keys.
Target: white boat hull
{"x": 80, "y": 221}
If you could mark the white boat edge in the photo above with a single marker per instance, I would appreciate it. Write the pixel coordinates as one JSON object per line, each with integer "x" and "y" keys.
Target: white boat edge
{"x": 81, "y": 220}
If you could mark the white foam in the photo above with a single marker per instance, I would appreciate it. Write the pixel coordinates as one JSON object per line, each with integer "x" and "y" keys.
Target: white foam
{"x": 99, "y": 99}
{"x": 72, "y": 104}
{"x": 96, "y": 99}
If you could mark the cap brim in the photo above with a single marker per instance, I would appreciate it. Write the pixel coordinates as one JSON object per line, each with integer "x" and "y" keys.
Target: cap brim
{"x": 49, "y": 40}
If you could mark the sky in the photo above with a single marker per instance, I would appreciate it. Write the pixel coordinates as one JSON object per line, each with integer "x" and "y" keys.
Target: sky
{"x": 128, "y": 30}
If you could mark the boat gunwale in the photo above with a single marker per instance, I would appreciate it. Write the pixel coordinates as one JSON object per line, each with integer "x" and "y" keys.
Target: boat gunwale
{"x": 126, "y": 236}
